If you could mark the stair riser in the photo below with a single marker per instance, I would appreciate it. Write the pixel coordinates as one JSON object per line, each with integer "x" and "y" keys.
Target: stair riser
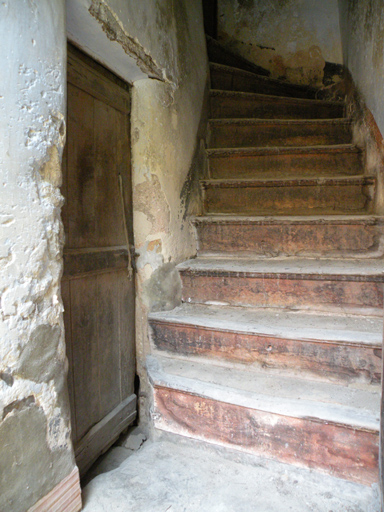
{"x": 285, "y": 166}
{"x": 269, "y": 135}
{"x": 271, "y": 108}
{"x": 335, "y": 449}
{"x": 234, "y": 81}
{"x": 291, "y": 200}
{"x": 325, "y": 360}
{"x": 299, "y": 292}
{"x": 331, "y": 240}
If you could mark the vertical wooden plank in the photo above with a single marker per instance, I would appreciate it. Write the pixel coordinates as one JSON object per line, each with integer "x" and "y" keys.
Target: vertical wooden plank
{"x": 84, "y": 308}
{"x": 108, "y": 331}
{"x": 64, "y": 189}
{"x": 81, "y": 174}
{"x": 123, "y": 159}
{"x": 109, "y": 224}
{"x": 126, "y": 289}
{"x": 126, "y": 334}
{"x": 65, "y": 294}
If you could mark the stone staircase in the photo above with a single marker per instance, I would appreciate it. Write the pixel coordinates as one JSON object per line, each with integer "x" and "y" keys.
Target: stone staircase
{"x": 276, "y": 349}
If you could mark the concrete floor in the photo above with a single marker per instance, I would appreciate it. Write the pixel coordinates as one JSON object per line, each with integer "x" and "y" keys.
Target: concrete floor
{"x": 174, "y": 474}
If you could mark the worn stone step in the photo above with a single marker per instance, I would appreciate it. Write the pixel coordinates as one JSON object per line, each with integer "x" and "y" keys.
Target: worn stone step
{"x": 306, "y": 196}
{"x": 284, "y": 162}
{"x": 329, "y": 347}
{"x": 334, "y": 236}
{"x": 227, "y": 104}
{"x": 333, "y": 285}
{"x": 240, "y": 133}
{"x": 230, "y": 78}
{"x": 323, "y": 426}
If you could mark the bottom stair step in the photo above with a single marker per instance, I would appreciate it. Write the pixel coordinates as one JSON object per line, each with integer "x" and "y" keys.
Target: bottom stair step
{"x": 324, "y": 426}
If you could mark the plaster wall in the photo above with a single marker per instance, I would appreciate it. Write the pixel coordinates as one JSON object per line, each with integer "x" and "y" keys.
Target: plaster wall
{"x": 362, "y": 30}
{"x": 35, "y": 446}
{"x": 168, "y": 132}
{"x": 291, "y": 38}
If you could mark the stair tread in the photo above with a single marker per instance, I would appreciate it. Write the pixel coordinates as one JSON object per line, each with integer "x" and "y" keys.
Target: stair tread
{"x": 273, "y": 182}
{"x": 251, "y": 74}
{"x": 278, "y": 150}
{"x": 285, "y": 324}
{"x": 312, "y": 268}
{"x": 290, "y": 99}
{"x": 285, "y": 219}
{"x": 269, "y": 391}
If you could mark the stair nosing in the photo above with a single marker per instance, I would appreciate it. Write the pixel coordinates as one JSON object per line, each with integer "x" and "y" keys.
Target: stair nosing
{"x": 287, "y": 182}
{"x": 241, "y": 326}
{"x": 223, "y": 92}
{"x": 226, "y": 267}
{"x": 264, "y": 220}
{"x": 281, "y": 150}
{"x": 321, "y": 412}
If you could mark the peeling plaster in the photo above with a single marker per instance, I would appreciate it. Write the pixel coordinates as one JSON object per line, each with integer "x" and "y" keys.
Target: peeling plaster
{"x": 151, "y": 200}
{"x": 114, "y": 30}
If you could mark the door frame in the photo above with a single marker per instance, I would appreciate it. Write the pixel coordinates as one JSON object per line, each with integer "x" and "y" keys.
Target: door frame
{"x": 78, "y": 264}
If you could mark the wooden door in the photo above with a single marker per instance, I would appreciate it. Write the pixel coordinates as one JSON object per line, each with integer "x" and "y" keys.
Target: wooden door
{"x": 98, "y": 291}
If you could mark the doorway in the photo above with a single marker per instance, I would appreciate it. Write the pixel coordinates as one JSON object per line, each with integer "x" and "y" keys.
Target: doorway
{"x": 98, "y": 283}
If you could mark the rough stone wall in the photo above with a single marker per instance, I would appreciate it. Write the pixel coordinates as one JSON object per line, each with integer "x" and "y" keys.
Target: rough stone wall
{"x": 35, "y": 446}
{"x": 291, "y": 38}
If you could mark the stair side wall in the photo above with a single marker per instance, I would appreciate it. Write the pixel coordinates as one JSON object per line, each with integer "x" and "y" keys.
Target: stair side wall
{"x": 292, "y": 39}
{"x": 363, "y": 41}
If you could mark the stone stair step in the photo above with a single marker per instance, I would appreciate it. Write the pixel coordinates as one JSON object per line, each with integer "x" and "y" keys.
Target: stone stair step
{"x": 230, "y": 78}
{"x": 329, "y": 347}
{"x": 319, "y": 425}
{"x": 344, "y": 236}
{"x": 346, "y": 286}
{"x": 342, "y": 195}
{"x": 284, "y": 162}
{"x": 240, "y": 133}
{"x": 227, "y": 104}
